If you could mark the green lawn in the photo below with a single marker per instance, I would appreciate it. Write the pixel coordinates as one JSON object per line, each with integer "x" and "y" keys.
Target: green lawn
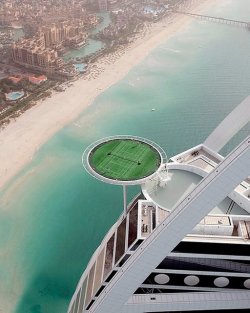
{"x": 124, "y": 159}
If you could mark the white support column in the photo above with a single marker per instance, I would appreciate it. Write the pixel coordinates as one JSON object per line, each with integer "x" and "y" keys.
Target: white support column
{"x": 124, "y": 199}
{"x": 208, "y": 193}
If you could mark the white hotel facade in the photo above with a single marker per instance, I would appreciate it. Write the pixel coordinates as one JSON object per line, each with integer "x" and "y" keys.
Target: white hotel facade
{"x": 184, "y": 243}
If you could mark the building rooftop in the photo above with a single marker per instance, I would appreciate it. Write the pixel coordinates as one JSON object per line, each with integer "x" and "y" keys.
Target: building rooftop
{"x": 167, "y": 193}
{"x": 176, "y": 186}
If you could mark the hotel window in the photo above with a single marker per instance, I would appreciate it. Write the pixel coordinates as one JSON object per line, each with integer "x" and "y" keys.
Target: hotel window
{"x": 133, "y": 220}
{"x": 77, "y": 302}
{"x": 120, "y": 242}
{"x": 98, "y": 271}
{"x": 90, "y": 285}
{"x": 109, "y": 256}
{"x": 82, "y": 298}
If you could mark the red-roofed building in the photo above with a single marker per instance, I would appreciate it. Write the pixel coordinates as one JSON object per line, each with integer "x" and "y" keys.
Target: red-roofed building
{"x": 37, "y": 80}
{"x": 14, "y": 79}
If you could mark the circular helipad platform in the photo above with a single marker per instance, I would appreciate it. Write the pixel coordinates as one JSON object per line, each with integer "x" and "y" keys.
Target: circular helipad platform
{"x": 123, "y": 160}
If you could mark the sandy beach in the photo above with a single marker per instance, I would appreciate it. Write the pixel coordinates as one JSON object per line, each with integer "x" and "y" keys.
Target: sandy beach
{"x": 21, "y": 139}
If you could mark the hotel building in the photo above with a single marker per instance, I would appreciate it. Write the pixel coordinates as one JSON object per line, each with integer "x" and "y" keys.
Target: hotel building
{"x": 32, "y": 53}
{"x": 64, "y": 33}
{"x": 103, "y": 5}
{"x": 183, "y": 244}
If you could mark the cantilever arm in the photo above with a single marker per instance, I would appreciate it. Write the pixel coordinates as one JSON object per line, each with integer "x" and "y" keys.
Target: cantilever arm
{"x": 229, "y": 127}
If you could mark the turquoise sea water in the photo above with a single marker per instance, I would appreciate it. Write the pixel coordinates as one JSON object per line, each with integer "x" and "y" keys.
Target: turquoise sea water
{"x": 53, "y": 215}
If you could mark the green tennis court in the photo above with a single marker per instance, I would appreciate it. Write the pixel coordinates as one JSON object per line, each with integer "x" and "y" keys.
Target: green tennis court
{"x": 124, "y": 159}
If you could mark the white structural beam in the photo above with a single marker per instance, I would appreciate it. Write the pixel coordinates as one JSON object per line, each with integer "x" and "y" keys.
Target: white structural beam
{"x": 208, "y": 193}
{"x": 187, "y": 302}
{"x": 230, "y": 126}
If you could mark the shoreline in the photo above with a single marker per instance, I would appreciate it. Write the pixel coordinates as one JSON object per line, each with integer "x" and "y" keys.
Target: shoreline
{"x": 22, "y": 137}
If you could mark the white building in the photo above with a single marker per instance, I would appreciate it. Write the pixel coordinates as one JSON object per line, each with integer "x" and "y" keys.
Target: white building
{"x": 184, "y": 244}
{"x": 103, "y": 5}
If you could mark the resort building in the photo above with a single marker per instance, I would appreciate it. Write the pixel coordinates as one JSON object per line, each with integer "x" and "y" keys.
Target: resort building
{"x": 14, "y": 79}
{"x": 37, "y": 80}
{"x": 103, "y": 5}
{"x": 66, "y": 33}
{"x": 33, "y": 54}
{"x": 183, "y": 244}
